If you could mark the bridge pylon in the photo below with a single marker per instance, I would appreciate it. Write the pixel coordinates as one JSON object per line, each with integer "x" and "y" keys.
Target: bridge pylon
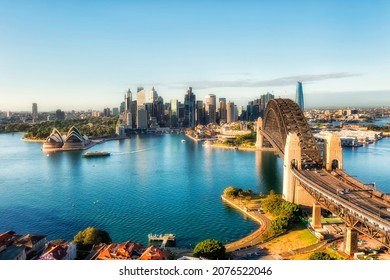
{"x": 350, "y": 241}
{"x": 259, "y": 135}
{"x": 333, "y": 155}
{"x": 292, "y": 158}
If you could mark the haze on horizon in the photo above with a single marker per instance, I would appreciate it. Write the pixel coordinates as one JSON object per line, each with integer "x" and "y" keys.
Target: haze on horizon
{"x": 84, "y": 55}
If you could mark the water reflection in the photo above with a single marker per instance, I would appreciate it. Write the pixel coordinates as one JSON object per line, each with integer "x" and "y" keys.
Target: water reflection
{"x": 269, "y": 168}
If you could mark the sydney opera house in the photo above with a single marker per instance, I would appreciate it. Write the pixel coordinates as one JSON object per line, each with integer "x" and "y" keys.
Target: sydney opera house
{"x": 73, "y": 140}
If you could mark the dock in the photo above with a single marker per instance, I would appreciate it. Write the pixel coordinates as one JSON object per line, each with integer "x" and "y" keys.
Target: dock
{"x": 164, "y": 238}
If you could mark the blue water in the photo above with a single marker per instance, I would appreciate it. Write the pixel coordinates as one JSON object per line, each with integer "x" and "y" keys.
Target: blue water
{"x": 370, "y": 163}
{"x": 149, "y": 184}
{"x": 378, "y": 122}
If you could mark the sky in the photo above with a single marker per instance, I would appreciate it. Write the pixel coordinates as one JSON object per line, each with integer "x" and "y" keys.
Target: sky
{"x": 85, "y": 54}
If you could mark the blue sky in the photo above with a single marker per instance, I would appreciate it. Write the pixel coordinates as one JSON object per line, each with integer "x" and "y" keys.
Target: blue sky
{"x": 85, "y": 54}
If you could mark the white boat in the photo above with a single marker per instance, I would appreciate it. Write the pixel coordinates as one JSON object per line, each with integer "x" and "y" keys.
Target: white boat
{"x": 183, "y": 140}
{"x": 96, "y": 154}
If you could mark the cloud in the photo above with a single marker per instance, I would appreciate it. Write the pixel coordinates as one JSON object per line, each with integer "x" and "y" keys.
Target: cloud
{"x": 283, "y": 81}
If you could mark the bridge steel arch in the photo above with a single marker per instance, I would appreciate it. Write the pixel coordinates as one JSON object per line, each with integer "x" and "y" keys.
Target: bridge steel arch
{"x": 283, "y": 116}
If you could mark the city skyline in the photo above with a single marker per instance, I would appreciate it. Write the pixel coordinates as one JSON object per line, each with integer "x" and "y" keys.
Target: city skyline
{"x": 74, "y": 55}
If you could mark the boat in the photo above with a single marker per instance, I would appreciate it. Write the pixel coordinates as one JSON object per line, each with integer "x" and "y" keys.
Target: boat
{"x": 183, "y": 140}
{"x": 96, "y": 154}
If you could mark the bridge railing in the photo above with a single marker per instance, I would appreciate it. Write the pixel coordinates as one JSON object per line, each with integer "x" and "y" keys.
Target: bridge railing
{"x": 358, "y": 212}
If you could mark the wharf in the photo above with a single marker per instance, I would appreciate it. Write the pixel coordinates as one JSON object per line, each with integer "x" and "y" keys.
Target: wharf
{"x": 164, "y": 238}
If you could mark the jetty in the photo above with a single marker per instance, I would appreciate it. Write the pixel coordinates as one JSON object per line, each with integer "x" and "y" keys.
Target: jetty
{"x": 164, "y": 238}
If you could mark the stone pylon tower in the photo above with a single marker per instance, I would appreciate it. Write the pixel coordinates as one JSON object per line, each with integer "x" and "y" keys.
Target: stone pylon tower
{"x": 333, "y": 154}
{"x": 259, "y": 136}
{"x": 292, "y": 158}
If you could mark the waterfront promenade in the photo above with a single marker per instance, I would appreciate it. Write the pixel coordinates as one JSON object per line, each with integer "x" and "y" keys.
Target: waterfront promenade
{"x": 255, "y": 237}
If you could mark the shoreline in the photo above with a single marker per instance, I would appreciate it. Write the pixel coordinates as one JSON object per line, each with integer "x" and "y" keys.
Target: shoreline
{"x": 253, "y": 238}
{"x": 246, "y": 149}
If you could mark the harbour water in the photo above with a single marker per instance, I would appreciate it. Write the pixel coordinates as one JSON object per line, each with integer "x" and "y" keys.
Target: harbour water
{"x": 149, "y": 184}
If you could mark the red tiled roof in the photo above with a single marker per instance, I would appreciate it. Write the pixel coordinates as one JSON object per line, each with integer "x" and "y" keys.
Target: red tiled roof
{"x": 154, "y": 253}
{"x": 55, "y": 251}
{"x": 7, "y": 238}
{"x": 123, "y": 251}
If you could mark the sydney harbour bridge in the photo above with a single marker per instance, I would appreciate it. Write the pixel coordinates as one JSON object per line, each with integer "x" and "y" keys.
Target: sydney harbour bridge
{"x": 316, "y": 175}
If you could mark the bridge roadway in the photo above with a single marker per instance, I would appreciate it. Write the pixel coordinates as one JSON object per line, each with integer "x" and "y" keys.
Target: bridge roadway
{"x": 348, "y": 194}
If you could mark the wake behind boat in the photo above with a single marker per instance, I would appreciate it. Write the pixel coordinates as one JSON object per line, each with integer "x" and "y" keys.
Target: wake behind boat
{"x": 96, "y": 154}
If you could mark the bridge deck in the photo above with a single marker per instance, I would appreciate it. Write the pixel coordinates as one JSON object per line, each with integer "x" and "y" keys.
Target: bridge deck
{"x": 349, "y": 193}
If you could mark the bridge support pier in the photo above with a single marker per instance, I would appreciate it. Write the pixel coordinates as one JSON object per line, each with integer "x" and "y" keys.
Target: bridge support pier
{"x": 351, "y": 241}
{"x": 333, "y": 155}
{"x": 316, "y": 216}
{"x": 259, "y": 136}
{"x": 292, "y": 159}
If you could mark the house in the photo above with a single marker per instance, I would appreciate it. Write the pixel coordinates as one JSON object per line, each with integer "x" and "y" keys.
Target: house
{"x": 13, "y": 253}
{"x": 124, "y": 251}
{"x": 63, "y": 251}
{"x": 155, "y": 253}
{"x": 34, "y": 243}
{"x": 7, "y": 239}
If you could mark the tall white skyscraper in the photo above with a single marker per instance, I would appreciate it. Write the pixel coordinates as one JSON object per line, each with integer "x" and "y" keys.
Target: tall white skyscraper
{"x": 153, "y": 95}
{"x": 140, "y": 96}
{"x": 210, "y": 108}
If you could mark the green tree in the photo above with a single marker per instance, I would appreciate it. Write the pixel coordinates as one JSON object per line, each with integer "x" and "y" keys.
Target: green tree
{"x": 272, "y": 203}
{"x": 91, "y": 236}
{"x": 210, "y": 249}
{"x": 320, "y": 256}
{"x": 230, "y": 192}
{"x": 279, "y": 224}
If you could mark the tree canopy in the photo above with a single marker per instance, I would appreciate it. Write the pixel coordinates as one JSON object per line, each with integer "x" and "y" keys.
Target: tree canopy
{"x": 91, "y": 236}
{"x": 320, "y": 256}
{"x": 286, "y": 213}
{"x": 210, "y": 249}
{"x": 234, "y": 192}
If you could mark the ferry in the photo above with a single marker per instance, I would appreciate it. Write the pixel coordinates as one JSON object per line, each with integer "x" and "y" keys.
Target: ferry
{"x": 96, "y": 154}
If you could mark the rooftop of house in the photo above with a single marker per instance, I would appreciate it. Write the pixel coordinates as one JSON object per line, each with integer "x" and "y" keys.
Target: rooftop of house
{"x": 155, "y": 253}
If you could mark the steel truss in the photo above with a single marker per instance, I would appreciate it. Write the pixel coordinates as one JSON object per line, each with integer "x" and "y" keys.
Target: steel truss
{"x": 283, "y": 116}
{"x": 350, "y": 219}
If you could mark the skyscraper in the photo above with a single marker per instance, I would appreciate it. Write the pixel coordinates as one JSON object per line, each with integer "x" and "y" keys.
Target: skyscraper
{"x": 299, "y": 96}
{"x": 210, "y": 108}
{"x": 34, "y": 111}
{"x": 128, "y": 97}
{"x": 189, "y": 108}
{"x": 230, "y": 112}
{"x": 128, "y": 111}
{"x": 153, "y": 95}
{"x": 140, "y": 96}
{"x": 264, "y": 100}
{"x": 174, "y": 113}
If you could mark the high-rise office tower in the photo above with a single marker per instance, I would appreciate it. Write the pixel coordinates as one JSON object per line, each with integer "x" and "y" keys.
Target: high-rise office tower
{"x": 200, "y": 112}
{"x": 210, "y": 108}
{"x": 34, "y": 111}
{"x": 128, "y": 99}
{"x": 153, "y": 95}
{"x": 140, "y": 96}
{"x": 265, "y": 98}
{"x": 174, "y": 113}
{"x": 189, "y": 108}
{"x": 299, "y": 96}
{"x": 128, "y": 110}
{"x": 142, "y": 117}
{"x": 222, "y": 110}
{"x": 230, "y": 112}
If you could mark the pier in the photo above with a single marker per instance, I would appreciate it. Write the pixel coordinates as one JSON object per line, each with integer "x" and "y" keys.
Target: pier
{"x": 164, "y": 238}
